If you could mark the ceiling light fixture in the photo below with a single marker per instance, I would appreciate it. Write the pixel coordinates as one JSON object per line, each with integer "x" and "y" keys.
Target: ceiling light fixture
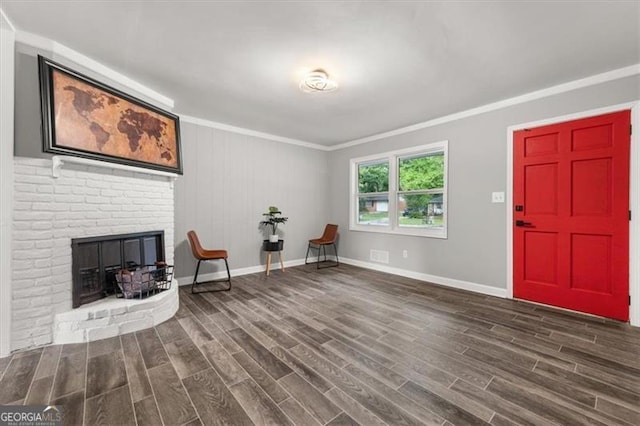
{"x": 317, "y": 81}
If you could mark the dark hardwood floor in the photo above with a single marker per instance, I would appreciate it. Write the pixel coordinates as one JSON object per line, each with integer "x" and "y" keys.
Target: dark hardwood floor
{"x": 343, "y": 346}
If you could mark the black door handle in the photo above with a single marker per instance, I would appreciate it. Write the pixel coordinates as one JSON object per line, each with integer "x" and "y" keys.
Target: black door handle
{"x": 523, "y": 223}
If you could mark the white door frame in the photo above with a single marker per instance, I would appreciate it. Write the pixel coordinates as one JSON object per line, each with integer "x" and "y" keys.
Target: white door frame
{"x": 7, "y": 51}
{"x": 634, "y": 197}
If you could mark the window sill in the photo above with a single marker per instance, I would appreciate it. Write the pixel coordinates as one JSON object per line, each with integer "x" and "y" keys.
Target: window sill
{"x": 381, "y": 229}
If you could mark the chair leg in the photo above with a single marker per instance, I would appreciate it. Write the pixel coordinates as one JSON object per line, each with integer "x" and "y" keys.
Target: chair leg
{"x": 195, "y": 277}
{"x": 195, "y": 280}
{"x": 307, "y": 256}
{"x": 324, "y": 251}
{"x": 228, "y": 274}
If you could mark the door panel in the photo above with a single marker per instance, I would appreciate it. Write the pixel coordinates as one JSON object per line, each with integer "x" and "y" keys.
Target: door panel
{"x": 541, "y": 254}
{"x": 591, "y": 263}
{"x": 591, "y": 187}
{"x": 541, "y": 186}
{"x": 587, "y": 138}
{"x": 571, "y": 236}
{"x": 541, "y": 145}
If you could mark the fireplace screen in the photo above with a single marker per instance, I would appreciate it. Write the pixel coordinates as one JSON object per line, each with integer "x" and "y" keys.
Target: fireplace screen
{"x": 97, "y": 260}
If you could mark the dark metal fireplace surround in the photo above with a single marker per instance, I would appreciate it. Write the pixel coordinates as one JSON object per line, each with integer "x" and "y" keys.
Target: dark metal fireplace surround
{"x": 96, "y": 260}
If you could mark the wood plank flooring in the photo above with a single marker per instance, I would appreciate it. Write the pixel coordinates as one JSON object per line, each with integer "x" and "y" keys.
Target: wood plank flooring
{"x": 343, "y": 346}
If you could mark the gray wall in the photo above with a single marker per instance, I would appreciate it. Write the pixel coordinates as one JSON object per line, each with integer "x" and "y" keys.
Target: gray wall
{"x": 475, "y": 250}
{"x": 28, "y": 122}
{"x": 230, "y": 180}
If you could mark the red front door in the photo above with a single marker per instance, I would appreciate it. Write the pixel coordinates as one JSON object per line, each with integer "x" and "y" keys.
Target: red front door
{"x": 571, "y": 215}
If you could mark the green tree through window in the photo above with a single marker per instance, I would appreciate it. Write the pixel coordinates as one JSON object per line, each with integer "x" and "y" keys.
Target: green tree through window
{"x": 373, "y": 177}
{"x": 422, "y": 173}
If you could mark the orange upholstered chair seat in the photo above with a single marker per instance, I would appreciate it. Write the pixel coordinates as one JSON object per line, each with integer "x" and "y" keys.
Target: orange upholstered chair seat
{"x": 213, "y": 254}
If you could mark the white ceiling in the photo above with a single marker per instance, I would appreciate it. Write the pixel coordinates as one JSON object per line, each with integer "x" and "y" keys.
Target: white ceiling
{"x": 397, "y": 63}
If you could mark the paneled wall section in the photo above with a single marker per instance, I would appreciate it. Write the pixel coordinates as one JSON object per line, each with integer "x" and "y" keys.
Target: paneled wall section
{"x": 230, "y": 180}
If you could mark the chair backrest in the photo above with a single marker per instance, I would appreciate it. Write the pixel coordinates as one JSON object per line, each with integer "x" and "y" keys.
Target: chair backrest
{"x": 330, "y": 233}
{"x": 196, "y": 247}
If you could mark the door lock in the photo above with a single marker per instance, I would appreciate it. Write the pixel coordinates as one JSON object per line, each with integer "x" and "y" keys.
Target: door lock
{"x": 522, "y": 223}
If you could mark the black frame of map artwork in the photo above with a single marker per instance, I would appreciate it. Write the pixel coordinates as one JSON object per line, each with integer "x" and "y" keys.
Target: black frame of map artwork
{"x": 52, "y": 118}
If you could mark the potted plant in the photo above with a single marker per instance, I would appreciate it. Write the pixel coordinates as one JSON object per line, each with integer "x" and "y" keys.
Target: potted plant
{"x": 272, "y": 219}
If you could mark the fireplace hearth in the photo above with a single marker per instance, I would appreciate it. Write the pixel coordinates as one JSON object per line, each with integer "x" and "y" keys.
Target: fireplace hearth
{"x": 97, "y": 260}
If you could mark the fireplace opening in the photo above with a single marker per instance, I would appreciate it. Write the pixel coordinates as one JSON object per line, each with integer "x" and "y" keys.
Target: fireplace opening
{"x": 97, "y": 260}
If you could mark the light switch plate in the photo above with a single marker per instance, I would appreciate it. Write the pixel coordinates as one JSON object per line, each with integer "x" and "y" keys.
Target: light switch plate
{"x": 497, "y": 197}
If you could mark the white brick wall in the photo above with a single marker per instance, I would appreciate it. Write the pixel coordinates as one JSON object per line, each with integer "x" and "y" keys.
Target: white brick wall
{"x": 84, "y": 201}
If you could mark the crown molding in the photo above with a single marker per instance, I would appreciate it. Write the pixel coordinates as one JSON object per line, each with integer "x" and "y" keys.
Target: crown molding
{"x": 60, "y": 50}
{"x": 254, "y": 133}
{"x": 4, "y": 20}
{"x": 538, "y": 94}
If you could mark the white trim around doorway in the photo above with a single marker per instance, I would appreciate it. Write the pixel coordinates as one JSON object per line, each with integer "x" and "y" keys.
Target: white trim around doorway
{"x": 634, "y": 197}
{"x": 6, "y": 179}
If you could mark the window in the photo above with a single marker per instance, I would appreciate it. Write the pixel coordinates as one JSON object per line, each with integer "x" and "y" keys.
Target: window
{"x": 373, "y": 193}
{"x": 401, "y": 192}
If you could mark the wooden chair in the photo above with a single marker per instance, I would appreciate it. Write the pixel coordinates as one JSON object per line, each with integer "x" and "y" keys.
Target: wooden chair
{"x": 328, "y": 238}
{"x": 201, "y": 254}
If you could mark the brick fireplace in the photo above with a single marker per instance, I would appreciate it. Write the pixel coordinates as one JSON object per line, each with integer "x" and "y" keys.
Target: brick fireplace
{"x": 84, "y": 201}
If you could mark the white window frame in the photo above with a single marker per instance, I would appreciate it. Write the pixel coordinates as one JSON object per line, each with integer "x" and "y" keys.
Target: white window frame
{"x": 393, "y": 157}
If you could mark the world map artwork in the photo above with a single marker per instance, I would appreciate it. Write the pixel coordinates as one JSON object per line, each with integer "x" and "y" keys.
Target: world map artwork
{"x": 94, "y": 120}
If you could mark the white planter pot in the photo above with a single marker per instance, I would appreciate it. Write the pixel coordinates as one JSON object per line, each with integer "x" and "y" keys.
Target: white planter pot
{"x": 273, "y": 238}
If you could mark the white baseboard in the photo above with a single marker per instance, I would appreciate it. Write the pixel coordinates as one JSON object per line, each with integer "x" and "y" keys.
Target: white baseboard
{"x": 448, "y": 282}
{"x": 238, "y": 272}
